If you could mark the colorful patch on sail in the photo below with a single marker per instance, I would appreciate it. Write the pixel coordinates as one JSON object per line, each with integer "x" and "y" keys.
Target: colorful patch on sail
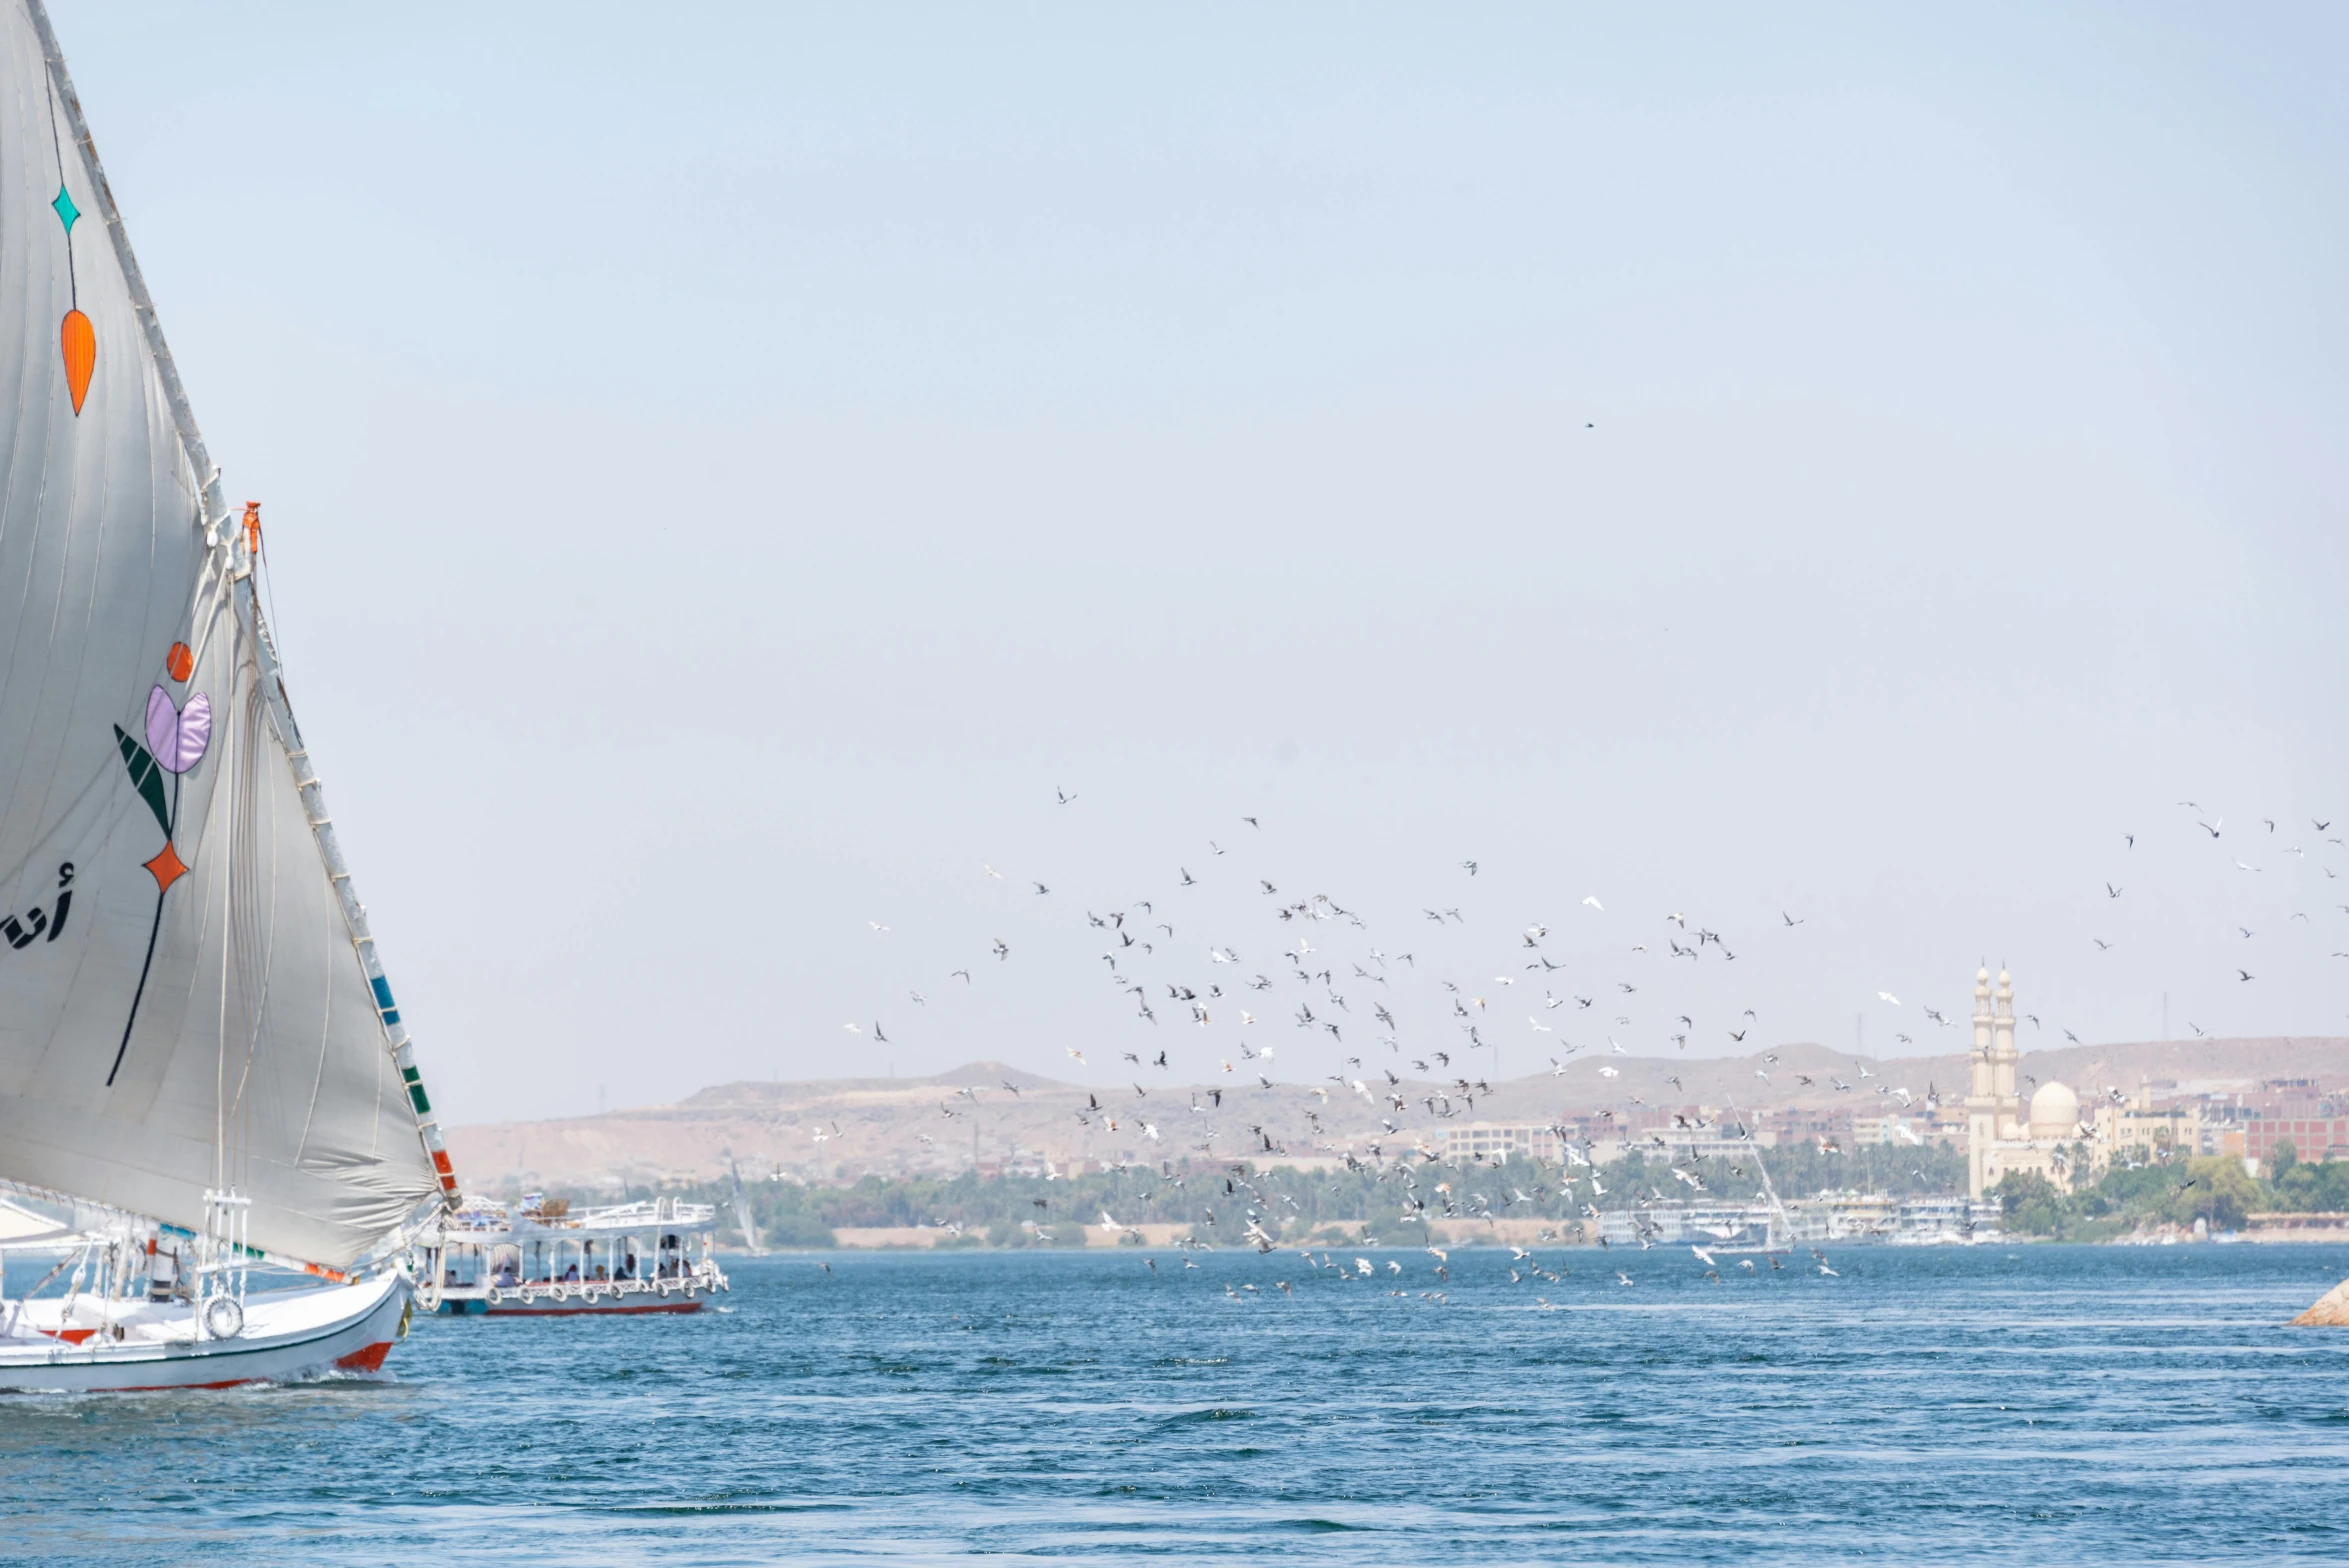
{"x": 80, "y": 344}
{"x": 178, "y": 735}
{"x": 146, "y": 777}
{"x": 166, "y": 868}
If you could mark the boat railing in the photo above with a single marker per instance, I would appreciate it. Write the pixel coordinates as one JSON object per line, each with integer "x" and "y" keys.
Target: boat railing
{"x": 481, "y": 1216}
{"x": 700, "y": 1277}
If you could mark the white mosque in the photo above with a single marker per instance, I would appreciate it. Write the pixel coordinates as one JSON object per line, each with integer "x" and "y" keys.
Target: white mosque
{"x": 2001, "y": 1136}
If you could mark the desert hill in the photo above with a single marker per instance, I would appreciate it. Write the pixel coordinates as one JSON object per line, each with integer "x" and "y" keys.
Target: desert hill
{"x": 988, "y": 1114}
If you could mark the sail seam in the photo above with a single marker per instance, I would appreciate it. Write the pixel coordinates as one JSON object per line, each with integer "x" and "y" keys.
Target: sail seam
{"x": 313, "y": 799}
{"x": 318, "y": 1079}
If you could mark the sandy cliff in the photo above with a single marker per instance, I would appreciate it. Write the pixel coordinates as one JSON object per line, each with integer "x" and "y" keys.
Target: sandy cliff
{"x": 986, "y": 1112}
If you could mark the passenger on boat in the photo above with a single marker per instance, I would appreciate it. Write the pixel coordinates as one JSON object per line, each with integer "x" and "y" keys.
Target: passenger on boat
{"x": 162, "y": 1272}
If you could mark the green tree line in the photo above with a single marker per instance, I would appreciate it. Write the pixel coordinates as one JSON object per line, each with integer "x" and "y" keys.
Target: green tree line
{"x": 2217, "y": 1191}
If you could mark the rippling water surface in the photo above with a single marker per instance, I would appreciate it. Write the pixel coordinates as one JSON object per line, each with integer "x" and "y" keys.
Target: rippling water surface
{"x": 2023, "y": 1405}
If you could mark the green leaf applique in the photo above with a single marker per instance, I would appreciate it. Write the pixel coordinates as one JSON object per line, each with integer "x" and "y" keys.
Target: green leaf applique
{"x": 147, "y": 777}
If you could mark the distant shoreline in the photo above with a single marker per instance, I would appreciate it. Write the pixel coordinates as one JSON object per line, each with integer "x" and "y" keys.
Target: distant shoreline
{"x": 1006, "y": 1117}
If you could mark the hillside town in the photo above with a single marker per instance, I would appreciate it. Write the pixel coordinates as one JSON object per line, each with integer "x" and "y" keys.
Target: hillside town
{"x": 1986, "y": 1146}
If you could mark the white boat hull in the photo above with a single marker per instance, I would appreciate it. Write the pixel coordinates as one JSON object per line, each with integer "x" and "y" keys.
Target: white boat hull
{"x": 287, "y": 1334}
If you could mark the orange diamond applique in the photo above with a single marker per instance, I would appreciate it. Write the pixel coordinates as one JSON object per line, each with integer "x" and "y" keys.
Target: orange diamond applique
{"x": 167, "y": 868}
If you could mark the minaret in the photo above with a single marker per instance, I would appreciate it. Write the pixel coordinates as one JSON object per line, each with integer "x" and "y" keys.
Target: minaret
{"x": 1982, "y": 1098}
{"x": 2002, "y": 1061}
{"x": 1984, "y": 1086}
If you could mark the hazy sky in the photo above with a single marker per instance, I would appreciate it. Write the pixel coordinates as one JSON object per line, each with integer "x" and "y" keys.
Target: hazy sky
{"x": 726, "y": 471}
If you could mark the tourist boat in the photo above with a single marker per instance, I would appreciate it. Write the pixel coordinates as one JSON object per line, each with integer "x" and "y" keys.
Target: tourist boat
{"x": 542, "y": 1258}
{"x": 203, "y": 1074}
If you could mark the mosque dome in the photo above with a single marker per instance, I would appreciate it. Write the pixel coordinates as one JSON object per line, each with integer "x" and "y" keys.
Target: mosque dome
{"x": 2055, "y": 1111}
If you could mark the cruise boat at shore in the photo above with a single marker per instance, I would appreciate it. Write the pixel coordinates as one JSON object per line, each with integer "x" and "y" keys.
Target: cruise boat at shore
{"x": 542, "y": 1258}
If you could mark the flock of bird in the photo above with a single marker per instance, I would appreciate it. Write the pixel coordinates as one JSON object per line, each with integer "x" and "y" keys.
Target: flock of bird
{"x": 2270, "y": 844}
{"x": 1407, "y": 1012}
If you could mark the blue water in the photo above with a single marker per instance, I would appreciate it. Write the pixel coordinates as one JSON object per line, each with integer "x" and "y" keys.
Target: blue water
{"x": 2010, "y": 1405}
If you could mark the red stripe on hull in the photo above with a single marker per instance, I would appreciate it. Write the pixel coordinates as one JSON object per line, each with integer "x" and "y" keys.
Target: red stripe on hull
{"x": 586, "y": 1311}
{"x": 367, "y": 1358}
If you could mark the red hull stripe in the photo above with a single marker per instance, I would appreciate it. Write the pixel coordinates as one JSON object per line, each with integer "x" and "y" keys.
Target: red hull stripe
{"x": 367, "y": 1358}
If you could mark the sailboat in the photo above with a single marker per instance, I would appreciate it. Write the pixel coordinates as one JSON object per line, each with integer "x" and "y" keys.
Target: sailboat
{"x": 200, "y": 1056}
{"x": 742, "y": 1212}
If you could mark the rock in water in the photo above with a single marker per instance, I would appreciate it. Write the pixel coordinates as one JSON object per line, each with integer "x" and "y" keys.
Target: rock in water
{"x": 2330, "y": 1312}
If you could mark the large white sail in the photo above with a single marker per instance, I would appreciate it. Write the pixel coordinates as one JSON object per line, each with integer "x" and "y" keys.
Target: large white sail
{"x": 189, "y": 999}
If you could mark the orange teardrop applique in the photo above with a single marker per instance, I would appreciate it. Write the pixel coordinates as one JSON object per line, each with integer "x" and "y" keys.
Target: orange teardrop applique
{"x": 81, "y": 355}
{"x": 180, "y": 662}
